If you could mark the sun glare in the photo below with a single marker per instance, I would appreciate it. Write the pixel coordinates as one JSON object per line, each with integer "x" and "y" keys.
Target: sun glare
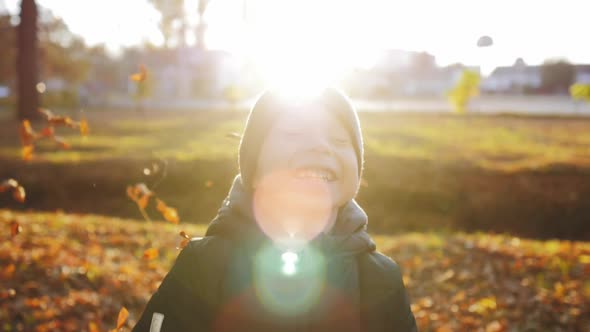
{"x": 303, "y": 46}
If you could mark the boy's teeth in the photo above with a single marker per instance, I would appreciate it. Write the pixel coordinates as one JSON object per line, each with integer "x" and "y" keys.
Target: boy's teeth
{"x": 310, "y": 174}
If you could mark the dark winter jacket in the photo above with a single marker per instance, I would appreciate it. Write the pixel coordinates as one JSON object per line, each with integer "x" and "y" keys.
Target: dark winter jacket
{"x": 231, "y": 280}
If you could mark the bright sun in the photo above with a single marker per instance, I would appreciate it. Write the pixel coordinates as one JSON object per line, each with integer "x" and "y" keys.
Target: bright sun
{"x": 297, "y": 45}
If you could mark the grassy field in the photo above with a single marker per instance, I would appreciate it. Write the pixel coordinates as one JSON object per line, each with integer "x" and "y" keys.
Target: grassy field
{"x": 504, "y": 142}
{"x": 525, "y": 175}
{"x": 68, "y": 271}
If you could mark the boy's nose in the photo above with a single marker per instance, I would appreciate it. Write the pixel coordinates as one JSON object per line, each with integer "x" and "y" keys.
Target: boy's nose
{"x": 319, "y": 143}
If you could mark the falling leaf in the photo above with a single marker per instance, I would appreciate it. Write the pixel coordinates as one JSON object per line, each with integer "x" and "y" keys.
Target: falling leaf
{"x": 150, "y": 254}
{"x": 46, "y": 113}
{"x": 169, "y": 213}
{"x": 208, "y": 183}
{"x": 84, "y": 128}
{"x": 142, "y": 189}
{"x": 140, "y": 194}
{"x": 140, "y": 76}
{"x": 27, "y": 152}
{"x": 26, "y": 133}
{"x": 185, "y": 240}
{"x": 19, "y": 194}
{"x": 63, "y": 121}
{"x": 123, "y": 314}
{"x": 15, "y": 228}
{"x": 9, "y": 184}
{"x": 47, "y": 132}
{"x": 143, "y": 201}
{"x": 183, "y": 244}
{"x": 62, "y": 143}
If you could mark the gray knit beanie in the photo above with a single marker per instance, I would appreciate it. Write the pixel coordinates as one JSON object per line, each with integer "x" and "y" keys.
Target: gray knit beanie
{"x": 266, "y": 110}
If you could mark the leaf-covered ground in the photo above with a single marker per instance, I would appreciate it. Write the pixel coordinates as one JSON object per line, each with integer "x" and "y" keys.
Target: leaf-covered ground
{"x": 71, "y": 272}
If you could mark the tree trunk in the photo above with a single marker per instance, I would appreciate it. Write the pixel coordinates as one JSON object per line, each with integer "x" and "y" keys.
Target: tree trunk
{"x": 201, "y": 26}
{"x": 27, "y": 62}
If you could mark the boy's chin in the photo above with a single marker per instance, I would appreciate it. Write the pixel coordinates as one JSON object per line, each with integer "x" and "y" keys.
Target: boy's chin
{"x": 285, "y": 206}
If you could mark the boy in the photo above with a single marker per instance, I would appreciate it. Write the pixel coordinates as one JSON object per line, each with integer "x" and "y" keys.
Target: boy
{"x": 288, "y": 250}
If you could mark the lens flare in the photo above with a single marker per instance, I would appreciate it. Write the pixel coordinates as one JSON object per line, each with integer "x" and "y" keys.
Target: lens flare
{"x": 289, "y": 261}
{"x": 290, "y": 210}
{"x": 288, "y": 283}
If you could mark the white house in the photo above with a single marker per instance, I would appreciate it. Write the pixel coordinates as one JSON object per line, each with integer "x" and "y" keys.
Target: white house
{"x": 520, "y": 77}
{"x": 517, "y": 77}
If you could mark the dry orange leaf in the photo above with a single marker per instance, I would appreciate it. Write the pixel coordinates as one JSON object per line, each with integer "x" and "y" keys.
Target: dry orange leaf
{"x": 131, "y": 193}
{"x": 143, "y": 201}
{"x": 84, "y": 128}
{"x": 9, "y": 184}
{"x": 185, "y": 240}
{"x": 62, "y": 143}
{"x": 140, "y": 194}
{"x": 62, "y": 121}
{"x": 27, "y": 152}
{"x": 19, "y": 194}
{"x": 169, "y": 213}
{"x": 26, "y": 133}
{"x": 141, "y": 76}
{"x": 183, "y": 244}
{"x": 47, "y": 132}
{"x": 46, "y": 113}
{"x": 123, "y": 315}
{"x": 150, "y": 253}
{"x": 15, "y": 228}
{"x": 208, "y": 183}
{"x": 141, "y": 189}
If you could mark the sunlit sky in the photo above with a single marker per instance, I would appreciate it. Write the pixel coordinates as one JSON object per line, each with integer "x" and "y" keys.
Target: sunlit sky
{"x": 532, "y": 29}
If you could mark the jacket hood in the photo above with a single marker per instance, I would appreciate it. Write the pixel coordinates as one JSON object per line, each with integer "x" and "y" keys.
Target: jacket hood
{"x": 235, "y": 220}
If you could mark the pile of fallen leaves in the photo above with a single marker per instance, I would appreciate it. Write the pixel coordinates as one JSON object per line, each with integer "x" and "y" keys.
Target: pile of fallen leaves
{"x": 66, "y": 272}
{"x": 484, "y": 282}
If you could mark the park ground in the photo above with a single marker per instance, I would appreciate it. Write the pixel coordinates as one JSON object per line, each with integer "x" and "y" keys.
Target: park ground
{"x": 487, "y": 215}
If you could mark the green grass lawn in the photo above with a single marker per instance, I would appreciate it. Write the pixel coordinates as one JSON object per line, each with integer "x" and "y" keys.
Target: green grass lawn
{"x": 65, "y": 271}
{"x": 505, "y": 143}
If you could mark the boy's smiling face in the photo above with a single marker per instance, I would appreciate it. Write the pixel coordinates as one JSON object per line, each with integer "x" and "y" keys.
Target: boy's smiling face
{"x": 311, "y": 146}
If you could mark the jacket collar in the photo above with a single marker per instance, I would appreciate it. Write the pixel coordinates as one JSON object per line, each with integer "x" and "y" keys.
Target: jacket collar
{"x": 235, "y": 219}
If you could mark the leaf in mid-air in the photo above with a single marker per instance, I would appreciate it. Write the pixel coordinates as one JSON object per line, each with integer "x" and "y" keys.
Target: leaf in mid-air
{"x": 122, "y": 318}
{"x": 84, "y": 128}
{"x": 15, "y": 228}
{"x": 169, "y": 213}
